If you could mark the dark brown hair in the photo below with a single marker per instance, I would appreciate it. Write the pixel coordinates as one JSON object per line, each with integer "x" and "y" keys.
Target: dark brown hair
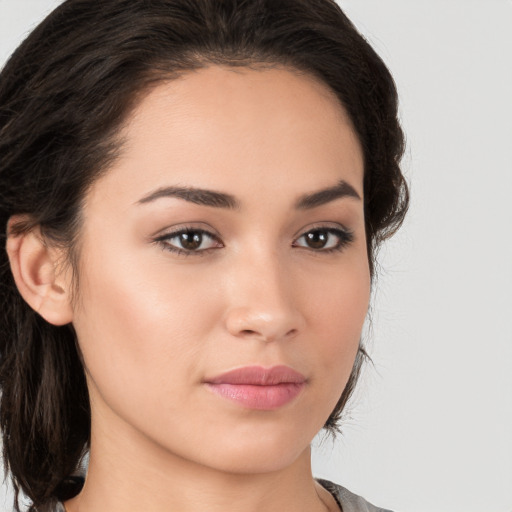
{"x": 64, "y": 95}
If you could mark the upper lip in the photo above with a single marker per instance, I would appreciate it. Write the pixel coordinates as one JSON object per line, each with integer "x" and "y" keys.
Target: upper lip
{"x": 259, "y": 376}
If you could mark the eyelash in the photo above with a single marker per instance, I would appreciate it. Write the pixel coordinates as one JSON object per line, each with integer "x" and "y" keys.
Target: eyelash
{"x": 345, "y": 238}
{"x": 163, "y": 241}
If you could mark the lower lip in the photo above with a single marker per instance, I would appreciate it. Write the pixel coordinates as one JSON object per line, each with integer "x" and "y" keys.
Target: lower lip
{"x": 265, "y": 398}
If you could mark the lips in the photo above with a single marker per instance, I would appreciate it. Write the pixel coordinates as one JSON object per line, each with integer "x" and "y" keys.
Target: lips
{"x": 255, "y": 387}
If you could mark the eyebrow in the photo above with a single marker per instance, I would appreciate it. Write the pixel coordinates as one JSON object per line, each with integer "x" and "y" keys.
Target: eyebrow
{"x": 194, "y": 195}
{"x": 222, "y": 200}
{"x": 315, "y": 199}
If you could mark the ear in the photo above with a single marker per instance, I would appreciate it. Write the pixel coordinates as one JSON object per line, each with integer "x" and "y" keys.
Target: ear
{"x": 35, "y": 266}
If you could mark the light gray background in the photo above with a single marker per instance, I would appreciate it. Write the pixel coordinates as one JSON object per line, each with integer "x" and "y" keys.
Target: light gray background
{"x": 431, "y": 428}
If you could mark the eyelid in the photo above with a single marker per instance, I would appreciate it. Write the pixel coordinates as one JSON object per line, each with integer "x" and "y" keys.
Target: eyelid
{"x": 173, "y": 234}
{"x": 185, "y": 226}
{"x": 318, "y": 226}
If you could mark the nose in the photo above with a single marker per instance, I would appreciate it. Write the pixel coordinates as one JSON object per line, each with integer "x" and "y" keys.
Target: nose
{"x": 262, "y": 302}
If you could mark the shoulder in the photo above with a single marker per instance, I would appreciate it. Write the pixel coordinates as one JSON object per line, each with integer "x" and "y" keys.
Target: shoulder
{"x": 348, "y": 501}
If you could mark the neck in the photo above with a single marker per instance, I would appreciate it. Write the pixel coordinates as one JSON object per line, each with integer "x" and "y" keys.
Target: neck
{"x": 146, "y": 477}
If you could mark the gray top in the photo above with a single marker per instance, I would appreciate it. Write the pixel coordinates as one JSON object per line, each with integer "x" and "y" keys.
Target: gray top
{"x": 347, "y": 501}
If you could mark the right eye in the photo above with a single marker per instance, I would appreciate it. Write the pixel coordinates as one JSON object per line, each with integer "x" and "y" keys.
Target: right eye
{"x": 189, "y": 241}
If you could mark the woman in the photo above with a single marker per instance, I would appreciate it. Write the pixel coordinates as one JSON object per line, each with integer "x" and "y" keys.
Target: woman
{"x": 192, "y": 196}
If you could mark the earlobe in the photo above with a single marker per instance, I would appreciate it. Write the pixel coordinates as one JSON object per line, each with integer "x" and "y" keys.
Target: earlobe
{"x": 34, "y": 266}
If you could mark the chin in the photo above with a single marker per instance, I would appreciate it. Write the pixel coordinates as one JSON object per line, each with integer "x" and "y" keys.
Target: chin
{"x": 259, "y": 451}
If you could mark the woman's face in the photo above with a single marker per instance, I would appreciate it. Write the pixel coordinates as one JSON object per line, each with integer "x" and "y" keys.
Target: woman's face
{"x": 229, "y": 235}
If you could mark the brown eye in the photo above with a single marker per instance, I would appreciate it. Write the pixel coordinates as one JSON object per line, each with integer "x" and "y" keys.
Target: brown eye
{"x": 325, "y": 239}
{"x": 189, "y": 241}
{"x": 316, "y": 239}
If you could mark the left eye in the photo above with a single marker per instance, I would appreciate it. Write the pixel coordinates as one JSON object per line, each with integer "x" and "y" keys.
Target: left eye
{"x": 324, "y": 239}
{"x": 189, "y": 240}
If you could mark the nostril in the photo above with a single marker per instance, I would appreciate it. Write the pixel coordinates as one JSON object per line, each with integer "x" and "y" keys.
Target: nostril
{"x": 264, "y": 324}
{"x": 249, "y": 333}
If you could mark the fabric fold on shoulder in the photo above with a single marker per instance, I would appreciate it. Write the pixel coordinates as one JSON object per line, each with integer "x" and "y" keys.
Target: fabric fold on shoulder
{"x": 348, "y": 501}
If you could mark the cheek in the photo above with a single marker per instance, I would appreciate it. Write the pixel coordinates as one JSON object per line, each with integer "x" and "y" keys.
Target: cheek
{"x": 337, "y": 308}
{"x": 137, "y": 325}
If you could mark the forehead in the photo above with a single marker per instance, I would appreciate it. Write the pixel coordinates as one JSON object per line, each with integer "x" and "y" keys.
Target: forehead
{"x": 238, "y": 128}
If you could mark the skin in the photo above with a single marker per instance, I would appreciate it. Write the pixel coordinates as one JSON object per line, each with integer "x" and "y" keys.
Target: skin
{"x": 153, "y": 324}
